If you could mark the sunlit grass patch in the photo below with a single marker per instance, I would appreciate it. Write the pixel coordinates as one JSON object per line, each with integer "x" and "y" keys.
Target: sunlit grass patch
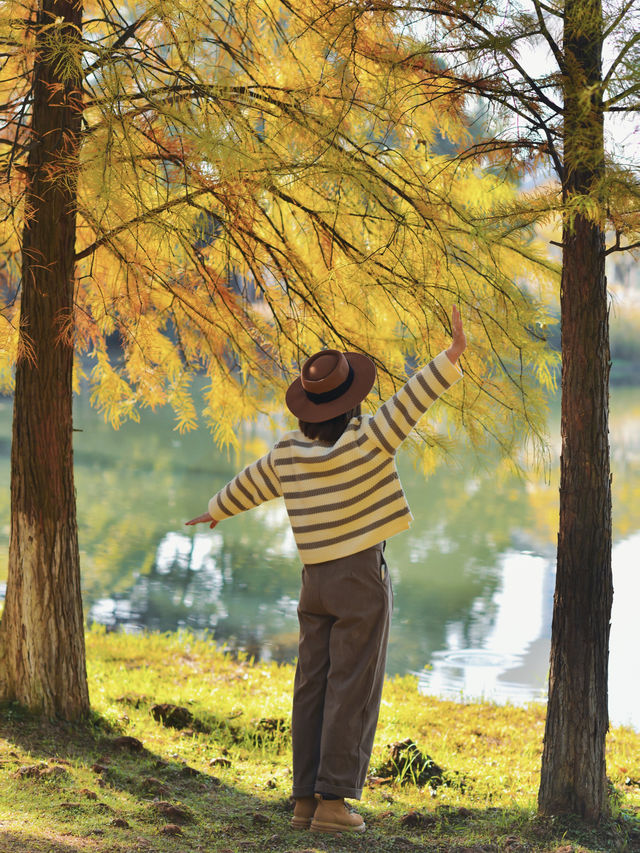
{"x": 125, "y": 781}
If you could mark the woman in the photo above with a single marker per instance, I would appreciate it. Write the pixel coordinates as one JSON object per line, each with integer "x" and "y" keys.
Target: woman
{"x": 340, "y": 485}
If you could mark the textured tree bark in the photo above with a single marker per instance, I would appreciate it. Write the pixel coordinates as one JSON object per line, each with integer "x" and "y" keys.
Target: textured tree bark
{"x": 42, "y": 628}
{"x": 573, "y": 775}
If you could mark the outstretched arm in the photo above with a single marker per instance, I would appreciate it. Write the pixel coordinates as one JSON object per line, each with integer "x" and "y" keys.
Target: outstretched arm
{"x": 255, "y": 485}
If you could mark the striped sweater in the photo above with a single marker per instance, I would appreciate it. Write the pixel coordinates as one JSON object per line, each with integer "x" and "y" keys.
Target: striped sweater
{"x": 345, "y": 497}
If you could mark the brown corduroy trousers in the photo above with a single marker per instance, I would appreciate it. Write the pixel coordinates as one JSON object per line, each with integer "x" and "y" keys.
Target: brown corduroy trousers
{"x": 344, "y": 614}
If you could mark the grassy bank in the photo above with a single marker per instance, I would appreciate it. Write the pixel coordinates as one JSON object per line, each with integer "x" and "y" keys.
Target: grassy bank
{"x": 221, "y": 782}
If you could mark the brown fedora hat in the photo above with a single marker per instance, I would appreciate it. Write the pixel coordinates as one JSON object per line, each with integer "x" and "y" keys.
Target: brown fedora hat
{"x": 330, "y": 383}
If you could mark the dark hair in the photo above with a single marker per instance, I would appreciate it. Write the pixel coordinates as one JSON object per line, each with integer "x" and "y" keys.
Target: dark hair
{"x": 330, "y": 430}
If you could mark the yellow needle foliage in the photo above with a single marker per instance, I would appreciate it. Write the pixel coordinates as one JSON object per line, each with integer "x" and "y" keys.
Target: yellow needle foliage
{"x": 256, "y": 182}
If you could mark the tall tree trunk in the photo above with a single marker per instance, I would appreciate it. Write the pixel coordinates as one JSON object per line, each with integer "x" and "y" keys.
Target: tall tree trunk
{"x": 573, "y": 764}
{"x": 42, "y": 629}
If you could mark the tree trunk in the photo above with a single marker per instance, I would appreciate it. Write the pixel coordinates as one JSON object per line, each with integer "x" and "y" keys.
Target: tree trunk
{"x": 573, "y": 763}
{"x": 42, "y": 629}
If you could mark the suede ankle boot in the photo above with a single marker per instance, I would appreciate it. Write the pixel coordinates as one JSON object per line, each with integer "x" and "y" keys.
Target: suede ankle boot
{"x": 334, "y": 816}
{"x": 303, "y": 812}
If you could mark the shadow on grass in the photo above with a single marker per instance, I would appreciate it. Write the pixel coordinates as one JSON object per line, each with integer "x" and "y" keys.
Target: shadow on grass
{"x": 11, "y": 842}
{"x": 107, "y": 788}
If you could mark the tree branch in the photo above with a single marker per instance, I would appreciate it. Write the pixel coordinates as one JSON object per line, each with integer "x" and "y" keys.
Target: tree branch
{"x": 551, "y": 10}
{"x": 617, "y": 247}
{"x": 454, "y": 11}
{"x": 557, "y": 53}
{"x": 144, "y": 217}
{"x": 626, "y": 48}
{"x": 632, "y": 90}
{"x": 619, "y": 17}
{"x": 122, "y": 39}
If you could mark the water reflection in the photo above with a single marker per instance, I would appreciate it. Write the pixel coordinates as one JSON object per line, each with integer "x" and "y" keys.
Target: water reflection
{"x": 185, "y": 575}
{"x": 195, "y": 583}
{"x": 508, "y": 660}
{"x": 473, "y": 578}
{"x": 624, "y": 668}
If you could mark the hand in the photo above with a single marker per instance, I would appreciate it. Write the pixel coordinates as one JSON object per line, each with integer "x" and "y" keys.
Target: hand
{"x": 459, "y": 343}
{"x": 203, "y": 518}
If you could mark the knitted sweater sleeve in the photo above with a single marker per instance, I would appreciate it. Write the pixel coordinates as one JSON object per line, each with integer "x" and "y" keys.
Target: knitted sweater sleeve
{"x": 254, "y": 485}
{"x": 395, "y": 419}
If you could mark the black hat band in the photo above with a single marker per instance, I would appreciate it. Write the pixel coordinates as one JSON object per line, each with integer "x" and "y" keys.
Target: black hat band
{"x": 329, "y": 396}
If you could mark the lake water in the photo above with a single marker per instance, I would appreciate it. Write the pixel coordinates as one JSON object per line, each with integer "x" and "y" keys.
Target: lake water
{"x": 473, "y": 578}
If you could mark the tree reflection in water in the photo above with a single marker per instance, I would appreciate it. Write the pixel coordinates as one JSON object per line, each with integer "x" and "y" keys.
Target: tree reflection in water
{"x": 196, "y": 583}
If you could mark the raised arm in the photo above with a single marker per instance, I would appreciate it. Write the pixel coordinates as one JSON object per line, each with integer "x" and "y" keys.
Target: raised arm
{"x": 459, "y": 342}
{"x": 395, "y": 419}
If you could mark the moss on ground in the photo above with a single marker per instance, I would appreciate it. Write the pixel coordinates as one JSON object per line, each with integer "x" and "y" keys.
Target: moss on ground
{"x": 124, "y": 781}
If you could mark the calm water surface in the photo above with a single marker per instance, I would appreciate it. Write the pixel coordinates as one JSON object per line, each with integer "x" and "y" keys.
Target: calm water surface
{"x": 473, "y": 578}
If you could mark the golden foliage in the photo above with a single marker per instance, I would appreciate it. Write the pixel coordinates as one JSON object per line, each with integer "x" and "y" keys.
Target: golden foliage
{"x": 255, "y": 184}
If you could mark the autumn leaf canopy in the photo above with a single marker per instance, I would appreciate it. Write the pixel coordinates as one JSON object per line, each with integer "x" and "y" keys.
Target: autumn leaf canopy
{"x": 257, "y": 182}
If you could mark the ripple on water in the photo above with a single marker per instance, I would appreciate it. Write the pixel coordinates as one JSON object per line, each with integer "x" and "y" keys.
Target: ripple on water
{"x": 468, "y": 674}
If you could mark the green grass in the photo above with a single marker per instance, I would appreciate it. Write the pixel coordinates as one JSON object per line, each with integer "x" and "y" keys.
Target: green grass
{"x": 226, "y": 779}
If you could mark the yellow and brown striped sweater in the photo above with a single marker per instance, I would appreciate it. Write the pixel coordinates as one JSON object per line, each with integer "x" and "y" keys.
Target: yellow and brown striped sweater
{"x": 345, "y": 497}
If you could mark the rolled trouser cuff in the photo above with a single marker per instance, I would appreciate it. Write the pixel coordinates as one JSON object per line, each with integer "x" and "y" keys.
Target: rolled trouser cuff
{"x": 302, "y": 792}
{"x": 337, "y": 791}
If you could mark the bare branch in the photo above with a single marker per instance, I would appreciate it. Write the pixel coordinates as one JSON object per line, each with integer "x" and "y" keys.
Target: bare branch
{"x": 617, "y": 247}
